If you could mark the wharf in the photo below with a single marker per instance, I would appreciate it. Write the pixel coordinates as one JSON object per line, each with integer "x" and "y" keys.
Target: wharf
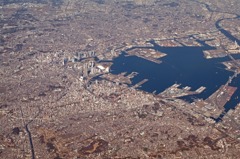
{"x": 174, "y": 91}
{"x": 222, "y": 96}
{"x": 140, "y": 83}
{"x": 150, "y": 59}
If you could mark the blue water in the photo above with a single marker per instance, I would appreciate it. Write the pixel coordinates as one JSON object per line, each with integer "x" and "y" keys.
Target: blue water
{"x": 183, "y": 65}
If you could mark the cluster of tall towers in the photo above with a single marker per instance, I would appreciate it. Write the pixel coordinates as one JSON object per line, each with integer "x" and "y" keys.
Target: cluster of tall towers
{"x": 80, "y": 55}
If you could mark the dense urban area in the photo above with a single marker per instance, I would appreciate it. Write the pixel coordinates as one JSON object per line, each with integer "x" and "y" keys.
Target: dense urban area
{"x": 61, "y": 98}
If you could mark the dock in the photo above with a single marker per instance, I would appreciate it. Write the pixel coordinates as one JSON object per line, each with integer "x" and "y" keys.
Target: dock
{"x": 200, "y": 90}
{"x": 150, "y": 59}
{"x": 140, "y": 83}
{"x": 221, "y": 96}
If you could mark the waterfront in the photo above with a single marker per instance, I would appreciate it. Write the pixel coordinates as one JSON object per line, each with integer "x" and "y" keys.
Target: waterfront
{"x": 182, "y": 65}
